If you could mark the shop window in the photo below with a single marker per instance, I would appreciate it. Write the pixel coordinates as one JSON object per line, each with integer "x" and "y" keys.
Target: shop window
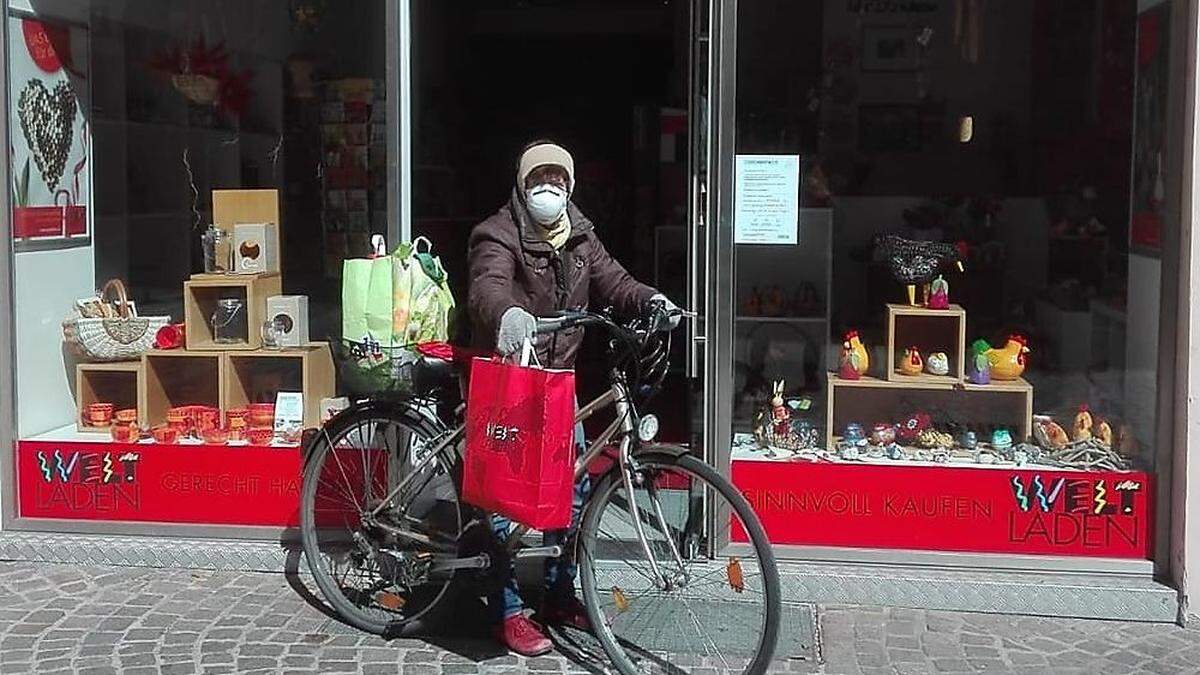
{"x": 138, "y": 128}
{"x": 883, "y": 397}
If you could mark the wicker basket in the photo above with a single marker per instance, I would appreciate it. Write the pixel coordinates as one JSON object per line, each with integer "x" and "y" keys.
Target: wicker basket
{"x": 119, "y": 335}
{"x": 199, "y": 89}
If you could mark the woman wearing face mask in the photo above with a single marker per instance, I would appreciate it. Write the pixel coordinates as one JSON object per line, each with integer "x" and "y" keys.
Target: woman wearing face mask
{"x": 537, "y": 255}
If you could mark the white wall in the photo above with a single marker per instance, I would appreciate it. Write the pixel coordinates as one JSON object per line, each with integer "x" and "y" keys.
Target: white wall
{"x": 46, "y": 283}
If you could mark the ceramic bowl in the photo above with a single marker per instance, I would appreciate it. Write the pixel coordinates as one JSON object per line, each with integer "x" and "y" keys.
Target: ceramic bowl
{"x": 237, "y": 417}
{"x": 261, "y": 414}
{"x": 126, "y": 416}
{"x": 205, "y": 418}
{"x": 180, "y": 419}
{"x": 215, "y": 436}
{"x": 124, "y": 433}
{"x": 100, "y": 414}
{"x": 260, "y": 435}
{"x": 165, "y": 434}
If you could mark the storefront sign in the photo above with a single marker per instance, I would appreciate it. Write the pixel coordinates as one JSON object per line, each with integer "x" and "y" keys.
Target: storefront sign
{"x": 198, "y": 484}
{"x": 767, "y": 199}
{"x": 984, "y": 510}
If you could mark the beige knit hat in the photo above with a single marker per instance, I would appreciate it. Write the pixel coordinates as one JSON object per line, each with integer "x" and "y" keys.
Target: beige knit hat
{"x": 541, "y": 155}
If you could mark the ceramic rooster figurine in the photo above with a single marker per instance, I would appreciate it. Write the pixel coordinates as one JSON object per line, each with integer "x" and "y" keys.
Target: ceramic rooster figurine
{"x": 915, "y": 263}
{"x": 855, "y": 360}
{"x": 911, "y": 364}
{"x": 1082, "y": 430}
{"x": 1104, "y": 433}
{"x": 1007, "y": 363}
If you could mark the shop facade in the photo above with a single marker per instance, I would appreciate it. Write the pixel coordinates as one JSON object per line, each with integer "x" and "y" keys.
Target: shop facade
{"x": 816, "y": 172}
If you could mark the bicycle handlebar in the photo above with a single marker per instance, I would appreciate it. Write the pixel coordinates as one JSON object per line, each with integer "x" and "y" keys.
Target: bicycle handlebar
{"x": 571, "y": 318}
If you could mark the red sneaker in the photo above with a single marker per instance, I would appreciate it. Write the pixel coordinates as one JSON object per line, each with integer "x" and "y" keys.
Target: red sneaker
{"x": 570, "y": 612}
{"x": 522, "y": 636}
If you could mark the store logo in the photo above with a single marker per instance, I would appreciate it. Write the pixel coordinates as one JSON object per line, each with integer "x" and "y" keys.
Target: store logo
{"x": 88, "y": 481}
{"x": 1083, "y": 495}
{"x": 1092, "y": 513}
{"x": 501, "y": 433}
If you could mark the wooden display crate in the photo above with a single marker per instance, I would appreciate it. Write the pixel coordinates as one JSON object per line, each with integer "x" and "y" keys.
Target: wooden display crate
{"x": 257, "y": 376}
{"x": 929, "y": 330}
{"x": 200, "y": 296}
{"x": 870, "y": 400}
{"x": 118, "y": 383}
{"x": 176, "y": 378}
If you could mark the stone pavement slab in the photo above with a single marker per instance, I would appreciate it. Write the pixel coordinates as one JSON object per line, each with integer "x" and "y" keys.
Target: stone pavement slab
{"x": 74, "y": 619}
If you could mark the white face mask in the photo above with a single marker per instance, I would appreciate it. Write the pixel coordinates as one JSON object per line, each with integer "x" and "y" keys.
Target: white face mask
{"x": 546, "y": 203}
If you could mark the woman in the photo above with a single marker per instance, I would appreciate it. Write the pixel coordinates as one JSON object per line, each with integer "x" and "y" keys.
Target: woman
{"x": 539, "y": 254}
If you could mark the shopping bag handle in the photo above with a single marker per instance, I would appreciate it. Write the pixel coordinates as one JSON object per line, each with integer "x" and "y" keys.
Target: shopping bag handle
{"x": 378, "y": 246}
{"x": 529, "y": 354}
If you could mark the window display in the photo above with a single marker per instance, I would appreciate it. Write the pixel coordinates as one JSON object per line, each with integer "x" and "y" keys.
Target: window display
{"x": 208, "y": 176}
{"x": 992, "y": 346}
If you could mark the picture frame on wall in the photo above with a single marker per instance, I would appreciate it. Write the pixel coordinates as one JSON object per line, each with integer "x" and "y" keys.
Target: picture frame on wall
{"x": 890, "y": 49}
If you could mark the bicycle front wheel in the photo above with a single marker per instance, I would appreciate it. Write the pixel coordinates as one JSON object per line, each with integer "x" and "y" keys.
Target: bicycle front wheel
{"x": 680, "y": 593}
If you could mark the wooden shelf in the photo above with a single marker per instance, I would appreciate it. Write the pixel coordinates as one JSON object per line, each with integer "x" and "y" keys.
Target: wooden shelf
{"x": 200, "y": 296}
{"x": 929, "y": 330}
{"x": 926, "y": 380}
{"x": 176, "y": 378}
{"x": 908, "y": 382}
{"x": 118, "y": 383}
{"x": 1018, "y": 385}
{"x": 870, "y": 400}
{"x": 257, "y": 376}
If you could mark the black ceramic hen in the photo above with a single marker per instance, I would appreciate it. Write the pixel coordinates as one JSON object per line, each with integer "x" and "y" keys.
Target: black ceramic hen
{"x": 916, "y": 262}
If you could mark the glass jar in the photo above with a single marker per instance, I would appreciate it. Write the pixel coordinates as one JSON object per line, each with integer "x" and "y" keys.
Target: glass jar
{"x": 229, "y": 323}
{"x": 217, "y": 246}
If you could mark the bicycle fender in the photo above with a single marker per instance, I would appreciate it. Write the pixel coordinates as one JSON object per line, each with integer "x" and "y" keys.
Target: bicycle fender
{"x": 672, "y": 451}
{"x": 661, "y": 449}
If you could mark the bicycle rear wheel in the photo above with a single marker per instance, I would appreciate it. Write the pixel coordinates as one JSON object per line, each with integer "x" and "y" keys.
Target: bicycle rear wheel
{"x": 676, "y": 606}
{"x": 374, "y": 577}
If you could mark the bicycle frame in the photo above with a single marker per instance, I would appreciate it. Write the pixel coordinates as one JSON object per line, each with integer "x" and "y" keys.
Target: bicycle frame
{"x": 623, "y": 426}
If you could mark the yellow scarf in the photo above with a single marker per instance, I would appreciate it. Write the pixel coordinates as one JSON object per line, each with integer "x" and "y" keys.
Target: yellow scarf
{"x": 558, "y": 233}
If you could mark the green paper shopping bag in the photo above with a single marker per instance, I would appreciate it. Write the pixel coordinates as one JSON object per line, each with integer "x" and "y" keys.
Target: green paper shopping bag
{"x": 367, "y": 297}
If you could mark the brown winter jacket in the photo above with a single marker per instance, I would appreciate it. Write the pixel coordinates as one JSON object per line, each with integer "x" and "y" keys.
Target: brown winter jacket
{"x": 512, "y": 266}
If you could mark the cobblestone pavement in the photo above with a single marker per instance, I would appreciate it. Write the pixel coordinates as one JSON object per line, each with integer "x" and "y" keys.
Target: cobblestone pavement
{"x": 69, "y": 619}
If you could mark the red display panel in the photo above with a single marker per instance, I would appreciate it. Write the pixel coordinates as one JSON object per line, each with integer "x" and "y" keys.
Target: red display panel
{"x": 193, "y": 484}
{"x": 983, "y": 510}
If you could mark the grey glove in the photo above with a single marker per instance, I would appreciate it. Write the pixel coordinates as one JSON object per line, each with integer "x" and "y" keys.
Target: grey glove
{"x": 516, "y": 326}
{"x": 672, "y": 316}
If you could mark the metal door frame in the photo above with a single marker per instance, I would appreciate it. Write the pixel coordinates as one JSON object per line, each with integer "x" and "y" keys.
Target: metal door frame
{"x": 719, "y": 300}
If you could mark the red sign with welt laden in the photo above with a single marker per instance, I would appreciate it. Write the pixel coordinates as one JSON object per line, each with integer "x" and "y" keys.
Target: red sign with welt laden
{"x": 193, "y": 484}
{"x": 980, "y": 510}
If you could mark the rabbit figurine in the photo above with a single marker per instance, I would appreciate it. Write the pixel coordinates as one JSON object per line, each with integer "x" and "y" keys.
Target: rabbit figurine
{"x": 781, "y": 417}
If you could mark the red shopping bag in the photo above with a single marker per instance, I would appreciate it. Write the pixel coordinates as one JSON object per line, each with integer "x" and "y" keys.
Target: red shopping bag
{"x": 520, "y": 459}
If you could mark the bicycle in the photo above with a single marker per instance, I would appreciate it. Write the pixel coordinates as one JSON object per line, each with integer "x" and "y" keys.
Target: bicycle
{"x": 672, "y": 559}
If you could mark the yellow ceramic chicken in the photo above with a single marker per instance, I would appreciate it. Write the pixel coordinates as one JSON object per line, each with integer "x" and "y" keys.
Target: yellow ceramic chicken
{"x": 854, "y": 353}
{"x": 911, "y": 364}
{"x": 1104, "y": 433}
{"x": 1054, "y": 434}
{"x": 1008, "y": 363}
{"x": 1082, "y": 430}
